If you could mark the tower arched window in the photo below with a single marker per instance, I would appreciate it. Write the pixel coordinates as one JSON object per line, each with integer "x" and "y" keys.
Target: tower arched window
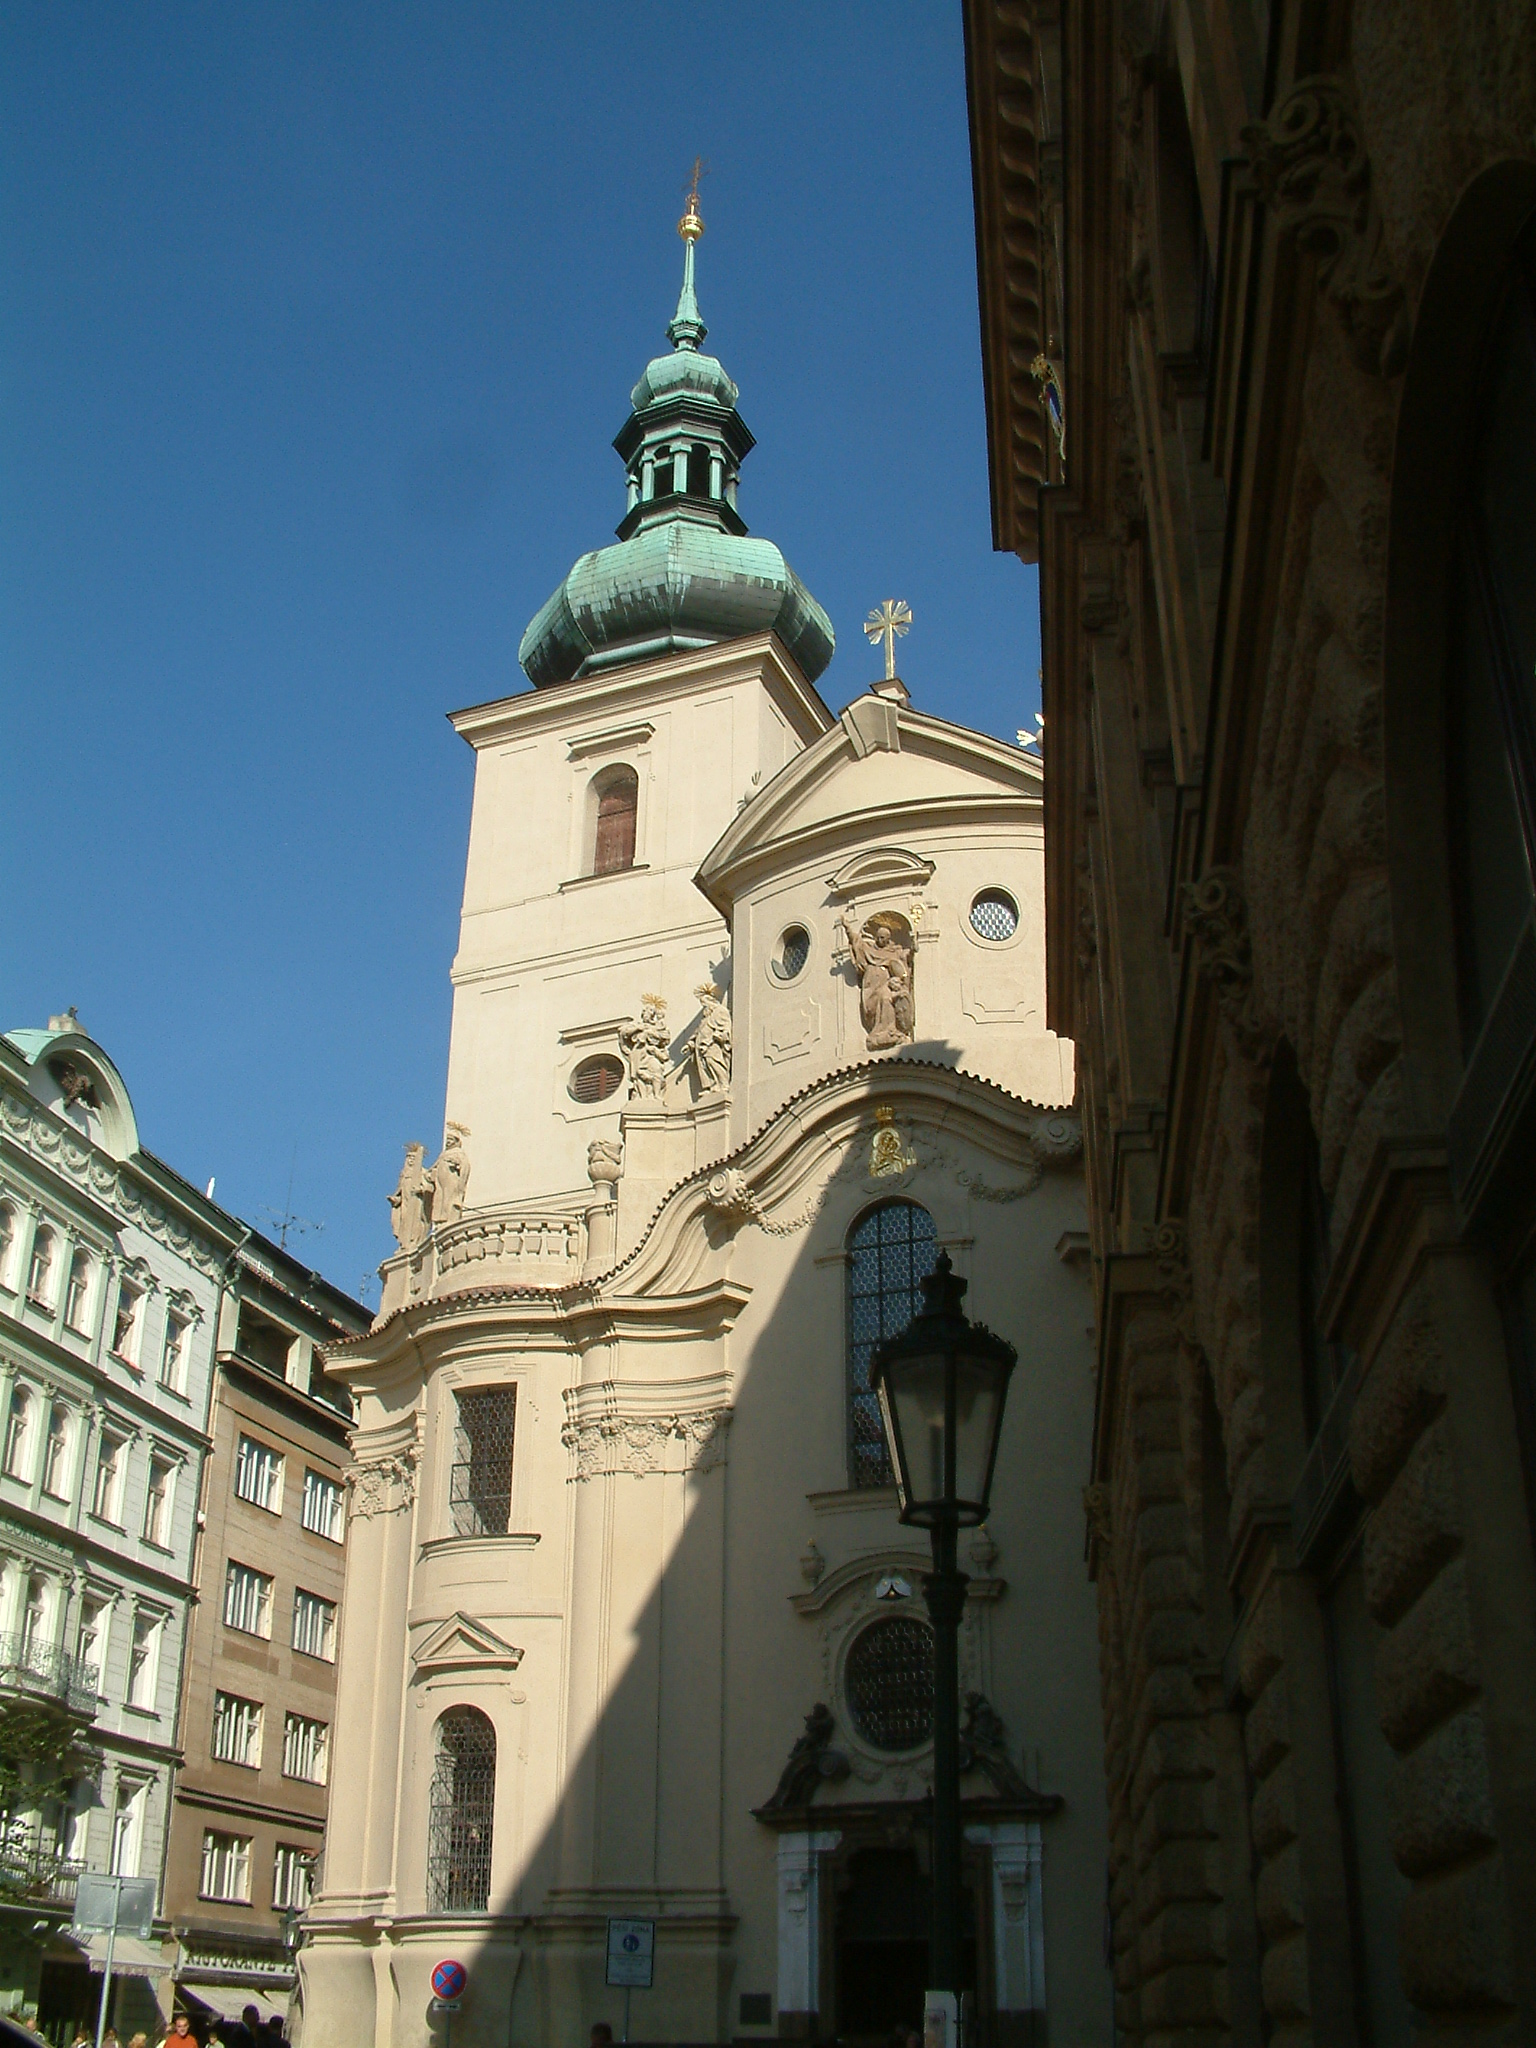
{"x": 891, "y": 1250}
{"x": 617, "y": 794}
{"x": 463, "y": 1813}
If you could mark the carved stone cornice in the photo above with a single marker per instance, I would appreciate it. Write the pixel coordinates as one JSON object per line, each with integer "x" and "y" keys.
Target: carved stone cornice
{"x": 1216, "y": 917}
{"x": 640, "y": 1430}
{"x": 1310, "y": 164}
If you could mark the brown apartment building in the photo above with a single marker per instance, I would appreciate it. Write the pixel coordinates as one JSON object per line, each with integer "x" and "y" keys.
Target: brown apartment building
{"x": 1258, "y": 297}
{"x": 259, "y": 1683}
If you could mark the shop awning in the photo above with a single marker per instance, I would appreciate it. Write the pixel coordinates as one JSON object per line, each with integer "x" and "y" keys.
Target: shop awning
{"x": 130, "y": 1956}
{"x": 227, "y": 1997}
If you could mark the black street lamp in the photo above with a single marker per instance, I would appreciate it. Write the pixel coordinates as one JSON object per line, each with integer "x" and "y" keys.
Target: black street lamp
{"x": 942, "y": 1383}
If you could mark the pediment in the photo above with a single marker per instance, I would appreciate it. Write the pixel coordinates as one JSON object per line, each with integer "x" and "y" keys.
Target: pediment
{"x": 880, "y": 867}
{"x": 460, "y": 1643}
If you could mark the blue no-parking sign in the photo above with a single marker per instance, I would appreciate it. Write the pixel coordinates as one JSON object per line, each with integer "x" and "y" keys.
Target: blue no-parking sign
{"x": 631, "y": 1953}
{"x": 448, "y": 1980}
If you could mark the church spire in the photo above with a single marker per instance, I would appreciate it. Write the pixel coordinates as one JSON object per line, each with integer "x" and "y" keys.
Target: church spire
{"x": 686, "y": 329}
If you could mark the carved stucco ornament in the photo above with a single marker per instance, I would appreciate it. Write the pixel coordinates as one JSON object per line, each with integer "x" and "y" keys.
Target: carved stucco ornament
{"x": 1310, "y": 162}
{"x": 1216, "y": 916}
{"x": 642, "y": 1444}
{"x": 381, "y": 1486}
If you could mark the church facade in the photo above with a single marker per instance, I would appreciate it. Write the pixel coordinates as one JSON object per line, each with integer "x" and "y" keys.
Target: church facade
{"x": 748, "y": 1025}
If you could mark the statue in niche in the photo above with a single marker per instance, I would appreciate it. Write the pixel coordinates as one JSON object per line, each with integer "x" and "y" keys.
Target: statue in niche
{"x": 810, "y": 1762}
{"x": 448, "y": 1180}
{"x": 882, "y": 954}
{"x": 984, "y": 1748}
{"x": 605, "y": 1162}
{"x": 646, "y": 1043}
{"x": 711, "y": 1047}
{"x": 410, "y": 1206}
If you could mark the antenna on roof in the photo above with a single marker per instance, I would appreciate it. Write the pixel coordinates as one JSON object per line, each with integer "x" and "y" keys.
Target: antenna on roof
{"x": 283, "y": 1221}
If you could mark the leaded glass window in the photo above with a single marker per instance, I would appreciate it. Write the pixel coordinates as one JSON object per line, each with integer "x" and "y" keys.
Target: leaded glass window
{"x": 463, "y": 1813}
{"x": 889, "y": 1682}
{"x": 480, "y": 1485}
{"x": 891, "y": 1251}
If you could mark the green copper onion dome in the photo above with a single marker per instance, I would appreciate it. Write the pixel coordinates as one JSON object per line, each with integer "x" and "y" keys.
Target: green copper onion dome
{"x": 685, "y": 572}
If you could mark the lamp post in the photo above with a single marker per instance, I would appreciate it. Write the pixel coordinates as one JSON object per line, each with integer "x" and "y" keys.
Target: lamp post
{"x": 941, "y": 1384}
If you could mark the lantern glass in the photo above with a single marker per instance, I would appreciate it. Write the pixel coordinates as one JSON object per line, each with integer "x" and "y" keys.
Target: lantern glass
{"x": 943, "y": 1410}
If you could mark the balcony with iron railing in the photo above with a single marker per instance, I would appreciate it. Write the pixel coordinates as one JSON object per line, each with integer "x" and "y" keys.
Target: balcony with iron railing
{"x": 44, "y": 1671}
{"x": 37, "y": 1876}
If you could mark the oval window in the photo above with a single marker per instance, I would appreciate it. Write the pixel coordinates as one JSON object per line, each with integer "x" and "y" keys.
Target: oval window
{"x": 596, "y": 1079}
{"x": 889, "y": 1682}
{"x": 794, "y": 950}
{"x": 994, "y": 915}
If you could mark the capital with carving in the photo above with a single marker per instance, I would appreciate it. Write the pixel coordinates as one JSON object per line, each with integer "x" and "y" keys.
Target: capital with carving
{"x": 1216, "y": 917}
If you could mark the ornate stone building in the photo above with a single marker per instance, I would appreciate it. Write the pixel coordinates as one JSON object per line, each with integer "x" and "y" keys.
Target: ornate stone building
{"x": 1258, "y": 290}
{"x": 748, "y": 1022}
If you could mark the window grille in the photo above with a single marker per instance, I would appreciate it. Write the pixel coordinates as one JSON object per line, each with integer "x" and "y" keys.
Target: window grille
{"x": 226, "y": 1866}
{"x": 236, "y": 1730}
{"x": 259, "y": 1475}
{"x": 324, "y": 1511}
{"x": 306, "y": 1748}
{"x": 889, "y": 1682}
{"x": 462, "y": 1814}
{"x": 314, "y": 1625}
{"x": 617, "y": 803}
{"x": 247, "y": 1600}
{"x": 994, "y": 915}
{"x": 293, "y": 1876}
{"x": 480, "y": 1485}
{"x": 891, "y": 1250}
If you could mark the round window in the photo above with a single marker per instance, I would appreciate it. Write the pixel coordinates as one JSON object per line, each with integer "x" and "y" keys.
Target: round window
{"x": 889, "y": 1682}
{"x": 793, "y": 952}
{"x": 596, "y": 1079}
{"x": 994, "y": 915}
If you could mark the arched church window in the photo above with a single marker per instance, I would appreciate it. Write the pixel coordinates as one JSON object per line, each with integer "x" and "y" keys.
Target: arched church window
{"x": 463, "y": 1813}
{"x": 891, "y": 1251}
{"x": 618, "y": 798}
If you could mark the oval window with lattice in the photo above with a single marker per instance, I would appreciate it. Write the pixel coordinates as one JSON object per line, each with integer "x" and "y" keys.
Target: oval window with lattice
{"x": 794, "y": 949}
{"x": 889, "y": 1682}
{"x": 597, "y": 1078}
{"x": 994, "y": 915}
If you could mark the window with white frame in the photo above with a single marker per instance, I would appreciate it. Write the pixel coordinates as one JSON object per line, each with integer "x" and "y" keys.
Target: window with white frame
{"x": 247, "y": 1600}
{"x": 144, "y": 1659}
{"x": 128, "y": 1828}
{"x": 157, "y": 1501}
{"x": 111, "y": 1465}
{"x": 126, "y": 1323}
{"x": 314, "y": 1625}
{"x": 95, "y": 1620}
{"x": 56, "y": 1452}
{"x": 293, "y": 1876}
{"x": 259, "y": 1475}
{"x": 77, "y": 1293}
{"x": 226, "y": 1867}
{"x": 34, "y": 1620}
{"x": 306, "y": 1748}
{"x": 237, "y": 1730}
{"x": 8, "y": 1236}
{"x": 324, "y": 1506}
{"x": 40, "y": 1272}
{"x": 18, "y": 1434}
{"x": 173, "y": 1357}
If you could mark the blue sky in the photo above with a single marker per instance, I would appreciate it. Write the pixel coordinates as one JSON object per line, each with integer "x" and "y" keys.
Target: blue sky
{"x": 316, "y": 322}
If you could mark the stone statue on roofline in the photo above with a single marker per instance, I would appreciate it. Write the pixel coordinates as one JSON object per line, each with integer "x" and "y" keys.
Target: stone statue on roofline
{"x": 450, "y": 1178}
{"x": 410, "y": 1206}
{"x": 647, "y": 1046}
{"x": 711, "y": 1044}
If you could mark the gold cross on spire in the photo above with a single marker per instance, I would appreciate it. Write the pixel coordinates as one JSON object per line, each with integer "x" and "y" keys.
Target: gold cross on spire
{"x": 691, "y": 226}
{"x": 893, "y": 618}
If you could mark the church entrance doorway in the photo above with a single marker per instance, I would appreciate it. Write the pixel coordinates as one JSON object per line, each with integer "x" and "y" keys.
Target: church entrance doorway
{"x": 881, "y": 1960}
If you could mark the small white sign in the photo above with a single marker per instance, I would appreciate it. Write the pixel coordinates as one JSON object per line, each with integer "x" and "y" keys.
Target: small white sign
{"x": 631, "y": 1953}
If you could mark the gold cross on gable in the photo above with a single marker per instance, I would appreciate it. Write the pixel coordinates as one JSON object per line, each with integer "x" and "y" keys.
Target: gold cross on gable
{"x": 894, "y": 617}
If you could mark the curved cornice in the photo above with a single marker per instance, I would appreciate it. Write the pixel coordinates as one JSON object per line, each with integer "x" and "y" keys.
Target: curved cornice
{"x": 675, "y": 1278}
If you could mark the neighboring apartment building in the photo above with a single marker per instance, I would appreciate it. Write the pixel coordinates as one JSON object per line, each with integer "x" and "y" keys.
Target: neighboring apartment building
{"x": 260, "y": 1688}
{"x": 119, "y": 1283}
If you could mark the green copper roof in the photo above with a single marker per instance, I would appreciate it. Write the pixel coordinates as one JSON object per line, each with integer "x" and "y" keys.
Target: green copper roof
{"x": 685, "y": 572}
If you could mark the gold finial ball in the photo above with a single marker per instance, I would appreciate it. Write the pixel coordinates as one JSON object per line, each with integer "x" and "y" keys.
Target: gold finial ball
{"x": 691, "y": 226}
